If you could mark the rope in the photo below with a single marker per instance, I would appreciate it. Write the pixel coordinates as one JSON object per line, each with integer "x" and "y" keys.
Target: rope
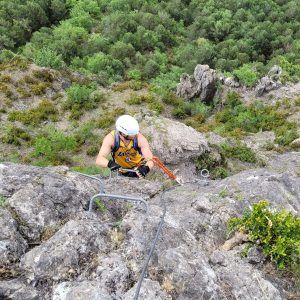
{"x": 204, "y": 174}
{"x": 159, "y": 228}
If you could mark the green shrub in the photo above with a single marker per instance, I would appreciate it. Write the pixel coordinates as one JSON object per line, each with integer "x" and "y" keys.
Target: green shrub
{"x": 80, "y": 95}
{"x": 45, "y": 111}
{"x": 285, "y": 135}
{"x": 46, "y": 57}
{"x": 278, "y": 233}
{"x": 219, "y": 173}
{"x": 14, "y": 135}
{"x": 246, "y": 75}
{"x": 134, "y": 74}
{"x": 5, "y": 78}
{"x": 135, "y": 99}
{"x": 85, "y": 132}
{"x": 107, "y": 119}
{"x": 241, "y": 152}
{"x": 39, "y": 88}
{"x": 156, "y": 106}
{"x": 2, "y": 201}
{"x": 53, "y": 147}
{"x": 92, "y": 150}
{"x": 136, "y": 85}
{"x": 216, "y": 168}
{"x": 170, "y": 98}
{"x": 44, "y": 75}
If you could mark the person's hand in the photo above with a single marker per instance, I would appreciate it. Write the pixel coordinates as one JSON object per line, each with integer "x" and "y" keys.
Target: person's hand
{"x": 142, "y": 171}
{"x": 113, "y": 165}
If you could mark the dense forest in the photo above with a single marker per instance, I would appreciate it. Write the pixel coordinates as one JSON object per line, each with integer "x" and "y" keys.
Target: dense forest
{"x": 155, "y": 41}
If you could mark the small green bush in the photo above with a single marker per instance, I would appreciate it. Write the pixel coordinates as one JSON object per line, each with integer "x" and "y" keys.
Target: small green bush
{"x": 135, "y": 99}
{"x": 92, "y": 150}
{"x": 2, "y": 200}
{"x": 44, "y": 75}
{"x": 53, "y": 147}
{"x": 241, "y": 152}
{"x": 39, "y": 88}
{"x": 170, "y": 98}
{"x": 48, "y": 58}
{"x": 216, "y": 168}
{"x": 85, "y": 132}
{"x": 278, "y": 233}
{"x": 14, "y": 135}
{"x": 134, "y": 74}
{"x": 80, "y": 95}
{"x": 246, "y": 75}
{"x": 156, "y": 106}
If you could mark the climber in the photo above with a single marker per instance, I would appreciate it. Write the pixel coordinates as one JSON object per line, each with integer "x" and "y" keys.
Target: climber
{"x": 128, "y": 147}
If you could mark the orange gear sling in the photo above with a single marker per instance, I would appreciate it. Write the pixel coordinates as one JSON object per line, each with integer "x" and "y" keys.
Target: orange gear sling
{"x": 167, "y": 171}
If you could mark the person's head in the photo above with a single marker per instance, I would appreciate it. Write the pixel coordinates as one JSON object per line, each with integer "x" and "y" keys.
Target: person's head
{"x": 127, "y": 126}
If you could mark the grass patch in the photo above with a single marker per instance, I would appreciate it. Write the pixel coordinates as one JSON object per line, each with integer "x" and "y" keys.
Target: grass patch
{"x": 91, "y": 170}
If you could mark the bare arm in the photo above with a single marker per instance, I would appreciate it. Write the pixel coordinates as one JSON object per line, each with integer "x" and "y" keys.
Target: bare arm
{"x": 145, "y": 149}
{"x": 105, "y": 150}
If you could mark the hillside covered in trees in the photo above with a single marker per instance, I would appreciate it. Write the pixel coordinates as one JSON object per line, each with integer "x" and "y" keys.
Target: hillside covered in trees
{"x": 155, "y": 41}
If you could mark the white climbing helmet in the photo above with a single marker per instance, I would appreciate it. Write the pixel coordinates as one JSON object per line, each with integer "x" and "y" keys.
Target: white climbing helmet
{"x": 127, "y": 125}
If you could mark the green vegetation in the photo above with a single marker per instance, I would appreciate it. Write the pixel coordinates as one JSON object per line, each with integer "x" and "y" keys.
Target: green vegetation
{"x": 240, "y": 152}
{"x": 93, "y": 170}
{"x": 46, "y": 110}
{"x": 217, "y": 165}
{"x": 81, "y": 98}
{"x": 108, "y": 118}
{"x": 155, "y": 41}
{"x": 278, "y": 233}
{"x": 14, "y": 135}
{"x": 237, "y": 119}
{"x": 53, "y": 147}
{"x": 2, "y": 200}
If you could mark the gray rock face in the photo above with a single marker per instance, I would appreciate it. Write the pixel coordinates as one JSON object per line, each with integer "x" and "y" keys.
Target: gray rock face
{"x": 245, "y": 282}
{"x": 60, "y": 256}
{"x": 42, "y": 198}
{"x": 84, "y": 290}
{"x": 173, "y": 142}
{"x": 12, "y": 244}
{"x": 16, "y": 290}
{"x": 202, "y": 84}
{"x": 192, "y": 276}
{"x": 150, "y": 290}
{"x": 83, "y": 260}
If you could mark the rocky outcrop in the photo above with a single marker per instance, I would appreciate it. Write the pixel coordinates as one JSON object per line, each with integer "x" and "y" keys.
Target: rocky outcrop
{"x": 12, "y": 244}
{"x": 202, "y": 84}
{"x": 269, "y": 82}
{"x": 173, "y": 142}
{"x": 93, "y": 257}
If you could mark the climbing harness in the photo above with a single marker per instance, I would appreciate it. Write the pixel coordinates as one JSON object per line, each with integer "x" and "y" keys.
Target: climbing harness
{"x": 204, "y": 174}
